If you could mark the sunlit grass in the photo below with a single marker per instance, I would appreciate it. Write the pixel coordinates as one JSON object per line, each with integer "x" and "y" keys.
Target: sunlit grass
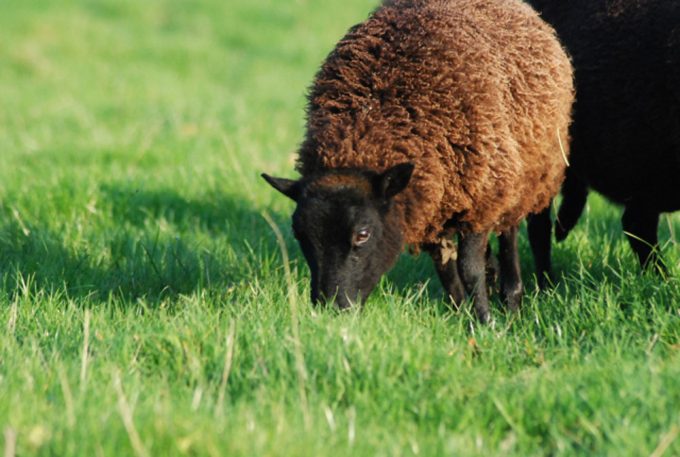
{"x": 131, "y": 139}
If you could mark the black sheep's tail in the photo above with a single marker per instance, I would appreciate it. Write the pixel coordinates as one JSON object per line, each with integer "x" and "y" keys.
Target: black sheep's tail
{"x": 574, "y": 195}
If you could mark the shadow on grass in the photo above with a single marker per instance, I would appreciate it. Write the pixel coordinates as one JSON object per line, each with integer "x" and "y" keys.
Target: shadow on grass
{"x": 156, "y": 244}
{"x": 214, "y": 212}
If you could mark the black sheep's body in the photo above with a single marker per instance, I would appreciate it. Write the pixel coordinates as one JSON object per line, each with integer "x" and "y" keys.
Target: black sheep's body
{"x": 626, "y": 129}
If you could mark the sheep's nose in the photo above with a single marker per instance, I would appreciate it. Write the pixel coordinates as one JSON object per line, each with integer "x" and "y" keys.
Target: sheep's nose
{"x": 342, "y": 302}
{"x": 322, "y": 298}
{"x": 333, "y": 296}
{"x": 317, "y": 299}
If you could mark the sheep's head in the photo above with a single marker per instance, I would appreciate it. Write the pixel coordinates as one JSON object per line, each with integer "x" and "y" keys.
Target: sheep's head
{"x": 347, "y": 227}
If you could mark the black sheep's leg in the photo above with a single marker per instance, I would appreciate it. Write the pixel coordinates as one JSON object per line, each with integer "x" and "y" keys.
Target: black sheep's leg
{"x": 444, "y": 258}
{"x": 492, "y": 269}
{"x": 539, "y": 227}
{"x": 472, "y": 267}
{"x": 641, "y": 226}
{"x": 574, "y": 196}
{"x": 511, "y": 276}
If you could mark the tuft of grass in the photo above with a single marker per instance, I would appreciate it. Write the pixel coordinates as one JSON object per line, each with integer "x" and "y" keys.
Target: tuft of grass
{"x": 147, "y": 309}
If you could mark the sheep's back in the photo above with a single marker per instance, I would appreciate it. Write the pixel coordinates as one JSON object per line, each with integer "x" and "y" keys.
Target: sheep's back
{"x": 626, "y": 131}
{"x": 475, "y": 93}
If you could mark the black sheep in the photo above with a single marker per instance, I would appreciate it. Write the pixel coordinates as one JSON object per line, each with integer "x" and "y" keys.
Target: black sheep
{"x": 626, "y": 127}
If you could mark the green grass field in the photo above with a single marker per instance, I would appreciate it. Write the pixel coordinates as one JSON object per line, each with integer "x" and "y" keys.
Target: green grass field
{"x": 144, "y": 303}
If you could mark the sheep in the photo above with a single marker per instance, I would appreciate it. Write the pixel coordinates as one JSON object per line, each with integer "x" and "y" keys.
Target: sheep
{"x": 429, "y": 119}
{"x": 626, "y": 127}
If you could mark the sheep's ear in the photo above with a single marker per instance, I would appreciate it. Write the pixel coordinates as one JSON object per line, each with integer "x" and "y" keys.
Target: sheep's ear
{"x": 394, "y": 180}
{"x": 287, "y": 187}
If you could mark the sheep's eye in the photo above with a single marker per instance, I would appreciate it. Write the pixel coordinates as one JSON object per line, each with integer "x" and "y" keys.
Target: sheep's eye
{"x": 361, "y": 237}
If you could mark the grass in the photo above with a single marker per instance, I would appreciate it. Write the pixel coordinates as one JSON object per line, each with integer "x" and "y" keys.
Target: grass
{"x": 146, "y": 309}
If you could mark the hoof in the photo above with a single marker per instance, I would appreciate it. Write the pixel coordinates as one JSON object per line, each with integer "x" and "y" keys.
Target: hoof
{"x": 483, "y": 315}
{"x": 513, "y": 299}
{"x": 545, "y": 281}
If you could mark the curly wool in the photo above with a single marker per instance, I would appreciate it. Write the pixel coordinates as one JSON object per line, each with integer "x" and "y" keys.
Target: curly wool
{"x": 476, "y": 93}
{"x": 626, "y": 130}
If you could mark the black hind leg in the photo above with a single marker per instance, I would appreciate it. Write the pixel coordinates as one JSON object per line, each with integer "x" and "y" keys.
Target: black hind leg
{"x": 472, "y": 267}
{"x": 574, "y": 196}
{"x": 540, "y": 227}
{"x": 511, "y": 277}
{"x": 641, "y": 226}
{"x": 492, "y": 269}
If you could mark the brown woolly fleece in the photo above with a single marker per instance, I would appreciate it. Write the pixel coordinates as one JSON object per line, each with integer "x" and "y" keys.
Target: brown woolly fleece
{"x": 477, "y": 94}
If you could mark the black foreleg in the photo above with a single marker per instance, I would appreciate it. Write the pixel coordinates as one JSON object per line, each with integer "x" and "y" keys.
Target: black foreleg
{"x": 472, "y": 268}
{"x": 511, "y": 276}
{"x": 444, "y": 258}
{"x": 539, "y": 227}
{"x": 574, "y": 196}
{"x": 640, "y": 225}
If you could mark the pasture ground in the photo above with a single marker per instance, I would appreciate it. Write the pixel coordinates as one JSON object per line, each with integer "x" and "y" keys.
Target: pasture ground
{"x": 143, "y": 301}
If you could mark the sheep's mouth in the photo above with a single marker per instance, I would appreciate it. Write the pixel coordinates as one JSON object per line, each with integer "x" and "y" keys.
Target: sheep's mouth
{"x": 340, "y": 300}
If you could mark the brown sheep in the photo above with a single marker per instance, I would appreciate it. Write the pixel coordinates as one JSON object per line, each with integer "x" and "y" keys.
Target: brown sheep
{"x": 432, "y": 117}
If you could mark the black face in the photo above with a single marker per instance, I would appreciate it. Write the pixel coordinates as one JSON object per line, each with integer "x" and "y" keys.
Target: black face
{"x": 347, "y": 228}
